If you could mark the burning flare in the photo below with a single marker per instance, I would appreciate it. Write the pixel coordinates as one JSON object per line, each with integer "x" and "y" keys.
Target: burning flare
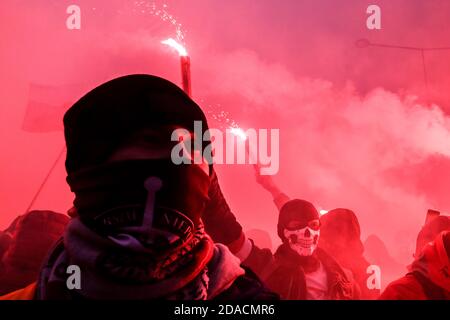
{"x": 177, "y": 46}
{"x": 238, "y": 132}
{"x": 185, "y": 62}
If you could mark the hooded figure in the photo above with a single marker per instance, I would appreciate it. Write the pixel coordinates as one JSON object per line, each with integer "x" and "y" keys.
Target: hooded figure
{"x": 430, "y": 230}
{"x": 429, "y": 275}
{"x": 341, "y": 236}
{"x": 138, "y": 232}
{"x": 300, "y": 270}
{"x": 24, "y": 246}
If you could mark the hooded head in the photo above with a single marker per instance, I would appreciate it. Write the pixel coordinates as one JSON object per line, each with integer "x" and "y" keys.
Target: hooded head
{"x": 119, "y": 142}
{"x": 430, "y": 230}
{"x": 112, "y": 114}
{"x": 299, "y": 226}
{"x": 433, "y": 262}
{"x": 341, "y": 233}
{"x": 340, "y": 236}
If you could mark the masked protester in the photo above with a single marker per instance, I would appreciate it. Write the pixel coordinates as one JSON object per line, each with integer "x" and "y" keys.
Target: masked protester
{"x": 429, "y": 274}
{"x": 299, "y": 269}
{"x": 341, "y": 237}
{"x": 138, "y": 231}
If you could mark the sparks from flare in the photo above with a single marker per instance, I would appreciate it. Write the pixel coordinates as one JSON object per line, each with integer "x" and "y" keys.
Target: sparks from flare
{"x": 238, "y": 132}
{"x": 145, "y": 7}
{"x": 177, "y": 46}
{"x": 224, "y": 118}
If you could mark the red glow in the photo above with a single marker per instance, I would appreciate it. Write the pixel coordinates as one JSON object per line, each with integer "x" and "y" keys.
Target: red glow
{"x": 356, "y": 128}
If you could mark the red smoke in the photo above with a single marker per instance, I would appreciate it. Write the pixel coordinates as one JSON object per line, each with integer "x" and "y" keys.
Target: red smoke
{"x": 356, "y": 127}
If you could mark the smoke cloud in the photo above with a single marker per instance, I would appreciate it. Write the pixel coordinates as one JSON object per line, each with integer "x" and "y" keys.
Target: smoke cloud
{"x": 359, "y": 129}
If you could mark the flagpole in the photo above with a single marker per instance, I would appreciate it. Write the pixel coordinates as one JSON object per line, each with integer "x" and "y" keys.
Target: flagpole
{"x": 44, "y": 182}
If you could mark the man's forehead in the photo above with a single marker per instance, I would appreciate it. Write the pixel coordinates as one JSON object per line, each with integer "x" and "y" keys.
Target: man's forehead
{"x": 154, "y": 143}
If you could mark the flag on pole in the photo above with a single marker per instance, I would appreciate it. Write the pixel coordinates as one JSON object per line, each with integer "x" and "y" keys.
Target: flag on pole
{"x": 47, "y": 105}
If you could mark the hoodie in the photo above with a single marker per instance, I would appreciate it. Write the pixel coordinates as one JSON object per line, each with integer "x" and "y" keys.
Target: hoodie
{"x": 429, "y": 276}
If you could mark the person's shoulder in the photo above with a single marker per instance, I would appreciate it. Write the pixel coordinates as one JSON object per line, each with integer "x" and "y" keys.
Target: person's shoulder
{"x": 248, "y": 287}
{"x": 261, "y": 261}
{"x": 405, "y": 288}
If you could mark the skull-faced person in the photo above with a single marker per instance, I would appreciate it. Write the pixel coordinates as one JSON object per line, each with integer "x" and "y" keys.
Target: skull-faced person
{"x": 300, "y": 270}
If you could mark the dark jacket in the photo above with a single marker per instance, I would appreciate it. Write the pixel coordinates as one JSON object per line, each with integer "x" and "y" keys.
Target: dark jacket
{"x": 246, "y": 287}
{"x": 283, "y": 273}
{"x": 227, "y": 279}
{"x": 220, "y": 222}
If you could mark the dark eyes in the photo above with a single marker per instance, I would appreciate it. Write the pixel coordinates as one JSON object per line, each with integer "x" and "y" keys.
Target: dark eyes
{"x": 314, "y": 225}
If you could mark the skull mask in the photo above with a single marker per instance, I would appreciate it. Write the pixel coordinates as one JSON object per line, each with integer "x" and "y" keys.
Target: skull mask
{"x": 304, "y": 240}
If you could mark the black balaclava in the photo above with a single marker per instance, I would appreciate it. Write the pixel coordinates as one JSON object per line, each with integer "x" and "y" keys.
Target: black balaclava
{"x": 111, "y": 197}
{"x": 294, "y": 252}
{"x": 113, "y": 112}
{"x": 299, "y": 210}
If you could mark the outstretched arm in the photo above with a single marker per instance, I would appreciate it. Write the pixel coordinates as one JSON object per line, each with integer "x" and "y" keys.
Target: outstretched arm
{"x": 221, "y": 223}
{"x": 267, "y": 183}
